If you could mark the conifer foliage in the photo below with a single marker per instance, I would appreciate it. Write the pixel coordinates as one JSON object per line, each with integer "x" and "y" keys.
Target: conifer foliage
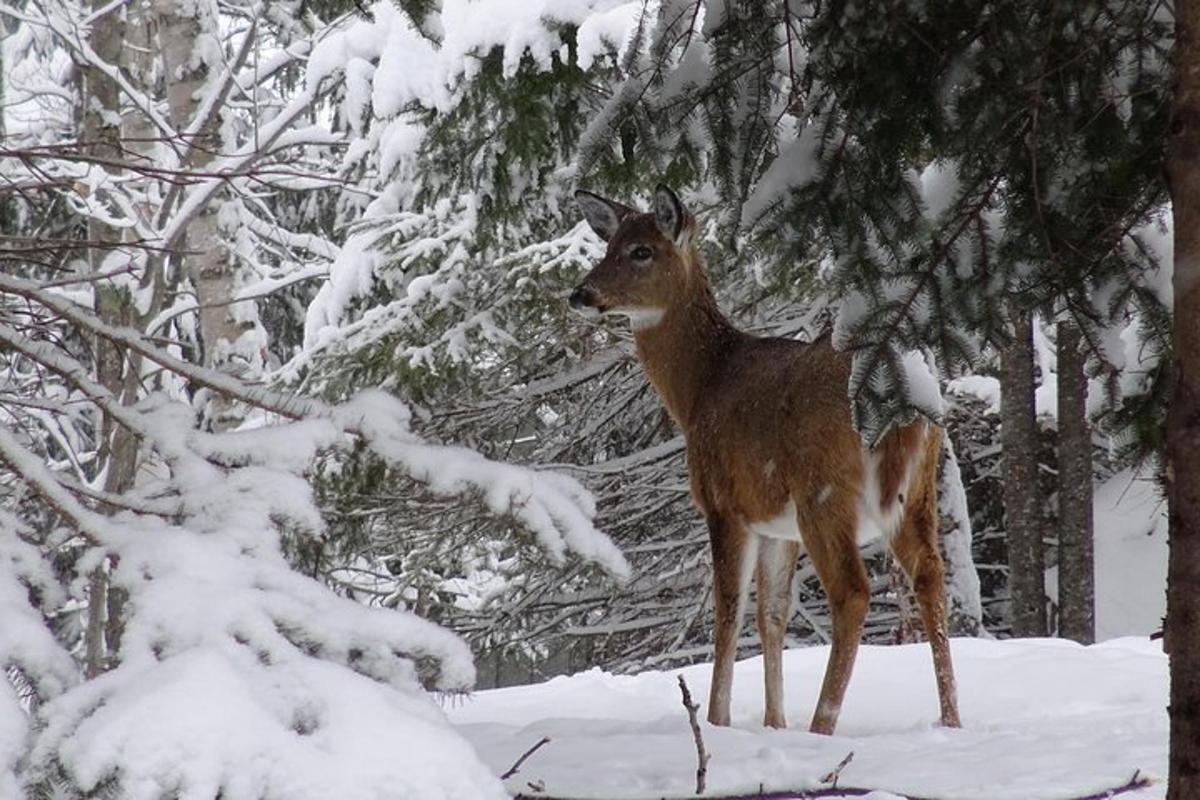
{"x": 287, "y": 364}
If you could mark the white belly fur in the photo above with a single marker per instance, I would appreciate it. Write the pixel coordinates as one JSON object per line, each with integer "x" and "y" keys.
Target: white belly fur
{"x": 873, "y": 523}
{"x": 783, "y": 526}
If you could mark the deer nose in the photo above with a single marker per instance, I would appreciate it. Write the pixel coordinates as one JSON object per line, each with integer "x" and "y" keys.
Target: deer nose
{"x": 584, "y": 296}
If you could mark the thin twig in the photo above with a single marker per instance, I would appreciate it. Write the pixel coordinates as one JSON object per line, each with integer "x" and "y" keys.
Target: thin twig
{"x": 836, "y": 772}
{"x": 701, "y": 753}
{"x": 517, "y": 764}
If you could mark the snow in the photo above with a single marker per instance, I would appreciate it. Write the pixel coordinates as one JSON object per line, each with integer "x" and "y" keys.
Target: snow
{"x": 692, "y": 71}
{"x": 940, "y": 187}
{"x": 208, "y": 723}
{"x": 961, "y": 575}
{"x": 921, "y": 381}
{"x": 25, "y": 644}
{"x": 1158, "y": 237}
{"x": 1042, "y": 719}
{"x": 983, "y": 387}
{"x": 240, "y": 676}
{"x": 1045, "y": 358}
{"x": 604, "y": 31}
{"x": 220, "y": 630}
{"x": 1130, "y": 555}
{"x": 411, "y": 68}
{"x": 794, "y": 167}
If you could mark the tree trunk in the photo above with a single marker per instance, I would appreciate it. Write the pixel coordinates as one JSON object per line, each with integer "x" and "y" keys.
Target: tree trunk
{"x": 8, "y": 209}
{"x": 117, "y": 450}
{"x": 1182, "y": 468}
{"x": 185, "y": 31}
{"x": 1076, "y": 592}
{"x": 1022, "y": 499}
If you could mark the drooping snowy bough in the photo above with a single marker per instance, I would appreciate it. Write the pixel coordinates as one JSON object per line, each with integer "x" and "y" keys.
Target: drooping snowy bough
{"x": 236, "y": 675}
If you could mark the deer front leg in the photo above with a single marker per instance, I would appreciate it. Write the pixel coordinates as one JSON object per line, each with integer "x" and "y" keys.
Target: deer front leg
{"x": 830, "y": 539}
{"x": 733, "y": 562}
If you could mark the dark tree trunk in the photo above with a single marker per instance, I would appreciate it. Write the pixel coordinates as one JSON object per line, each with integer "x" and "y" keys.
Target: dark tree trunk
{"x": 1182, "y": 467}
{"x": 117, "y": 449}
{"x": 1076, "y": 593}
{"x": 1022, "y": 499}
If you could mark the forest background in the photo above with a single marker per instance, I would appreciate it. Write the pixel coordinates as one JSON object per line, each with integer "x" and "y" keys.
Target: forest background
{"x": 292, "y": 401}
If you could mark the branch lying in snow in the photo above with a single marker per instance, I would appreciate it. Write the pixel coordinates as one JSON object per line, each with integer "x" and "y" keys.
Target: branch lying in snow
{"x": 836, "y": 772}
{"x": 701, "y": 754}
{"x": 517, "y": 764}
{"x": 1138, "y": 781}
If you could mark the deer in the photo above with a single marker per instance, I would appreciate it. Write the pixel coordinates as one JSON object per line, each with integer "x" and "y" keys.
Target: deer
{"x": 774, "y": 462}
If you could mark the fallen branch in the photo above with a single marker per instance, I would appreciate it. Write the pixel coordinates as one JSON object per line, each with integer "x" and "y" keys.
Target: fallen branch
{"x": 1138, "y": 781}
{"x": 517, "y": 764}
{"x": 701, "y": 754}
{"x": 836, "y": 772}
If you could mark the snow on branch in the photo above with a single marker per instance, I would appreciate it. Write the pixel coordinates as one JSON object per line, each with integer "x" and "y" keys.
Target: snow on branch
{"x": 555, "y": 508}
{"x": 26, "y": 644}
{"x": 237, "y": 675}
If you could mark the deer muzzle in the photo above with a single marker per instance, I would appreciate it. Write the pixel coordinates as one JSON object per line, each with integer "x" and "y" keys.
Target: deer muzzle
{"x": 583, "y": 297}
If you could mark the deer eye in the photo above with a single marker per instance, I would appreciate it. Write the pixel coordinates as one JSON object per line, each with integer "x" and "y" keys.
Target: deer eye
{"x": 641, "y": 253}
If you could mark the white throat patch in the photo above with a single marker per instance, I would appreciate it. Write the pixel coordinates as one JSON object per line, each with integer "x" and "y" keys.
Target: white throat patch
{"x": 641, "y": 318}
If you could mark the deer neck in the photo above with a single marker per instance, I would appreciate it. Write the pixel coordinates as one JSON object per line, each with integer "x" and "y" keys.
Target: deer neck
{"x": 683, "y": 351}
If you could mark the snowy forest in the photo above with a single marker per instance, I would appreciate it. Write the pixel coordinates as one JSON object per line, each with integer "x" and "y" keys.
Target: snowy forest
{"x": 313, "y": 485}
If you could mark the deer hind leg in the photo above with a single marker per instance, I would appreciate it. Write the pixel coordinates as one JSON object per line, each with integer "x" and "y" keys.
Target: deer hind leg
{"x": 915, "y": 548}
{"x": 733, "y": 554}
{"x": 829, "y": 533}
{"x": 776, "y": 565}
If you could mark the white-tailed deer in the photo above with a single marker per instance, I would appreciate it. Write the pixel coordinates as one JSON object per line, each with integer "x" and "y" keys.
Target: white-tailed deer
{"x": 773, "y": 460}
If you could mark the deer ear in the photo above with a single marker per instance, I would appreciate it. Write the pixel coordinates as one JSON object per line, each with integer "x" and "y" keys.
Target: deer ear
{"x": 670, "y": 215}
{"x": 602, "y": 214}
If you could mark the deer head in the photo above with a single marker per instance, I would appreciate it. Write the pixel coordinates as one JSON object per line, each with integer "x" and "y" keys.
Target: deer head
{"x": 650, "y": 264}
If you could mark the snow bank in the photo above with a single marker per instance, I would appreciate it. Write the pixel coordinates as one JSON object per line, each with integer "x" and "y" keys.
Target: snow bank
{"x": 209, "y": 723}
{"x": 1130, "y": 555}
{"x": 239, "y": 676}
{"x": 1042, "y": 719}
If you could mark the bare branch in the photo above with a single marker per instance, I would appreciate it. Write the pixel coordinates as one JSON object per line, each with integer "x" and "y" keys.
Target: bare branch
{"x": 701, "y": 754}
{"x": 289, "y": 407}
{"x": 517, "y": 764}
{"x": 836, "y": 772}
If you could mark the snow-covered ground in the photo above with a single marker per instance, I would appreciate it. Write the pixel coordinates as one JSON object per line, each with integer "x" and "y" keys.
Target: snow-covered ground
{"x": 1131, "y": 555}
{"x": 1042, "y": 718}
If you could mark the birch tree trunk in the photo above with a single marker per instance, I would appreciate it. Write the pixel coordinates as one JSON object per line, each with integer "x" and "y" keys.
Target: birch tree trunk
{"x": 1022, "y": 499}
{"x": 1076, "y": 593}
{"x": 1182, "y": 468}
{"x": 188, "y": 35}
